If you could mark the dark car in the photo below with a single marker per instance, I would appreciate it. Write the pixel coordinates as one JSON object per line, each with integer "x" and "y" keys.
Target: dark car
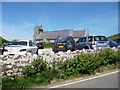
{"x": 63, "y": 44}
{"x": 40, "y": 45}
{"x": 112, "y": 43}
{"x": 117, "y": 41}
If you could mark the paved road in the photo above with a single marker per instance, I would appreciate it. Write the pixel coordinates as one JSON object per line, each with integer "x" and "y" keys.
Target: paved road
{"x": 107, "y": 80}
{"x": 46, "y": 50}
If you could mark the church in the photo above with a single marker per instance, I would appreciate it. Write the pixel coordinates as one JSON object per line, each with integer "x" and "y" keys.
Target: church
{"x": 51, "y": 36}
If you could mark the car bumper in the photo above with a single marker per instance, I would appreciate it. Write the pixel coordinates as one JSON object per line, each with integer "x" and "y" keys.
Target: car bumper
{"x": 15, "y": 53}
{"x": 100, "y": 47}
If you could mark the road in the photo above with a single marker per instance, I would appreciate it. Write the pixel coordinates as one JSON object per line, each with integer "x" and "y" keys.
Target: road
{"x": 46, "y": 50}
{"x": 104, "y": 80}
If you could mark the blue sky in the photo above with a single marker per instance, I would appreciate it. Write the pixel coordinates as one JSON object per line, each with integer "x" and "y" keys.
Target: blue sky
{"x": 20, "y": 18}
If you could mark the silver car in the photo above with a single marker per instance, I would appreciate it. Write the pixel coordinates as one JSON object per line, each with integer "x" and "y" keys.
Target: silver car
{"x": 92, "y": 42}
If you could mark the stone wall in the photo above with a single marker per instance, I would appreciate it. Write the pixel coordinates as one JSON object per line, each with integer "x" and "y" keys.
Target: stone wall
{"x": 12, "y": 64}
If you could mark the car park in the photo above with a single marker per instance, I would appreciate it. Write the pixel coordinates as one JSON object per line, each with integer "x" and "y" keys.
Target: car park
{"x": 40, "y": 45}
{"x": 63, "y": 44}
{"x": 20, "y": 48}
{"x": 92, "y": 42}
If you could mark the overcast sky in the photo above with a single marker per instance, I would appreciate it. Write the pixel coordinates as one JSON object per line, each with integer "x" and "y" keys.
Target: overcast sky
{"x": 20, "y": 18}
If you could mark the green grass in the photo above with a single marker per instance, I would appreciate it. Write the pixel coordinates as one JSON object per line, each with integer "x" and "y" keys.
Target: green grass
{"x": 83, "y": 64}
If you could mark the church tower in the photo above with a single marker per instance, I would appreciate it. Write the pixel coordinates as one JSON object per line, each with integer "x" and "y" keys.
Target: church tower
{"x": 37, "y": 31}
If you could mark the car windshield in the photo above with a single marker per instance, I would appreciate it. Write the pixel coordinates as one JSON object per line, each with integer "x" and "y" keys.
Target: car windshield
{"x": 62, "y": 39}
{"x": 100, "y": 38}
{"x": 18, "y": 43}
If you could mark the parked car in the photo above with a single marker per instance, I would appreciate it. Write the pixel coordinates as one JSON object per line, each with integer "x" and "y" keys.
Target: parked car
{"x": 117, "y": 41}
{"x": 92, "y": 42}
{"x": 40, "y": 45}
{"x": 112, "y": 43}
{"x": 63, "y": 44}
{"x": 20, "y": 48}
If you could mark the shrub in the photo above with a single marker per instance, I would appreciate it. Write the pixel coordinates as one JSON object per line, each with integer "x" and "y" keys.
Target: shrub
{"x": 87, "y": 63}
{"x": 37, "y": 67}
{"x": 16, "y": 82}
{"x": 48, "y": 45}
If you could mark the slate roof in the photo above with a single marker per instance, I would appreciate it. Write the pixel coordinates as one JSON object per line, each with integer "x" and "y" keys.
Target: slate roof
{"x": 80, "y": 33}
{"x": 55, "y": 34}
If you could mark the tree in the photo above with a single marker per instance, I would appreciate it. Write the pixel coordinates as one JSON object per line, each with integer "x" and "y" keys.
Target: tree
{"x": 15, "y": 40}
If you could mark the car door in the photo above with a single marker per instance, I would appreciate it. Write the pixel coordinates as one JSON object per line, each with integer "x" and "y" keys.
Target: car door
{"x": 80, "y": 43}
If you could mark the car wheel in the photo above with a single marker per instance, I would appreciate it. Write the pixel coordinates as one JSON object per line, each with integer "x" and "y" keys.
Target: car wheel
{"x": 72, "y": 49}
{"x": 86, "y": 47}
{"x": 65, "y": 50}
{"x": 55, "y": 51}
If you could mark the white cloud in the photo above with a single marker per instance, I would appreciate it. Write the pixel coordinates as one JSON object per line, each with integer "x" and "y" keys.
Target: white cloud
{"x": 11, "y": 32}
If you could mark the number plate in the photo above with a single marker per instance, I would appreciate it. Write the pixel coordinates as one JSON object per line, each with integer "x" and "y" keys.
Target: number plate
{"x": 102, "y": 43}
{"x": 60, "y": 46}
{"x": 11, "y": 54}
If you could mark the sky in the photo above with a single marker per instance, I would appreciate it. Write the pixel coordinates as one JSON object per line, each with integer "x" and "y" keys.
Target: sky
{"x": 20, "y": 18}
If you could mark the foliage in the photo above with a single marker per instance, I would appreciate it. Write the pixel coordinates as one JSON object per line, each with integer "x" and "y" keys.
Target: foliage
{"x": 14, "y": 40}
{"x": 48, "y": 45}
{"x": 3, "y": 41}
{"x": 16, "y": 82}
{"x": 37, "y": 67}
{"x": 88, "y": 63}
{"x": 114, "y": 36}
{"x": 82, "y": 64}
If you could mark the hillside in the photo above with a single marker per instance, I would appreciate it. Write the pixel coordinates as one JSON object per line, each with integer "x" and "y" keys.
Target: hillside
{"x": 2, "y": 40}
{"x": 114, "y": 36}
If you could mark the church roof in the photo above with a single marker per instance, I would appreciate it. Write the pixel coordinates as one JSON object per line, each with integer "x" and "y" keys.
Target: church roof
{"x": 55, "y": 34}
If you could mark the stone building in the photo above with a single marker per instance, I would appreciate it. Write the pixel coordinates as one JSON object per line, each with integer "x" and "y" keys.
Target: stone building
{"x": 50, "y": 36}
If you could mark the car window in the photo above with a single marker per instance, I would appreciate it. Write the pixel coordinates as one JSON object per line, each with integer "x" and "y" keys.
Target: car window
{"x": 31, "y": 44}
{"x": 62, "y": 39}
{"x": 100, "y": 38}
{"x": 84, "y": 39}
{"x": 23, "y": 43}
{"x": 79, "y": 40}
{"x": 18, "y": 43}
{"x": 90, "y": 39}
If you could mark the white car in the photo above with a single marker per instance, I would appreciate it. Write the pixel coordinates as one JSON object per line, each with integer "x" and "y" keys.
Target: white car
{"x": 20, "y": 48}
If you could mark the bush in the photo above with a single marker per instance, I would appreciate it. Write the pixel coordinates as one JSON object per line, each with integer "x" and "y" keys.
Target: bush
{"x": 37, "y": 67}
{"x": 48, "y": 45}
{"x": 16, "y": 82}
{"x": 88, "y": 63}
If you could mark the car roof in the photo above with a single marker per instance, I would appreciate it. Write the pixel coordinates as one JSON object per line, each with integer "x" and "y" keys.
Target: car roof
{"x": 92, "y": 35}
